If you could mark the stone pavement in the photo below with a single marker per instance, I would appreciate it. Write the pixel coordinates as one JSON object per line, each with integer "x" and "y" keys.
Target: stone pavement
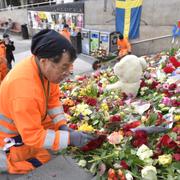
{"x": 59, "y": 168}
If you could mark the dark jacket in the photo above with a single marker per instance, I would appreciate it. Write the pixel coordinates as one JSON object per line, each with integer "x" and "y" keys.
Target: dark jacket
{"x": 9, "y": 51}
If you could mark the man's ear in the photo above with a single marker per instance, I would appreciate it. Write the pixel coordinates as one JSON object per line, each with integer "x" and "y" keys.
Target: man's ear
{"x": 43, "y": 62}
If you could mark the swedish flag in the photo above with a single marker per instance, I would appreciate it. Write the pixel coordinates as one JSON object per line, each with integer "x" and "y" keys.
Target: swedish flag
{"x": 128, "y": 15}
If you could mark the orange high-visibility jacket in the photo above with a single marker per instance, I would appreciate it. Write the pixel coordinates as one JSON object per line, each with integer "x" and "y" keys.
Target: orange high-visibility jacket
{"x": 66, "y": 34}
{"x": 123, "y": 46}
{"x": 3, "y": 65}
{"x": 23, "y": 105}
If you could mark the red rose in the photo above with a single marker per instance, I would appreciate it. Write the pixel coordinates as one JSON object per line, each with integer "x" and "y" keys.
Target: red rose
{"x": 115, "y": 118}
{"x": 167, "y": 93}
{"x": 172, "y": 86}
{"x": 140, "y": 134}
{"x": 132, "y": 125}
{"x": 176, "y": 157}
{"x": 175, "y": 103}
{"x": 73, "y": 126}
{"x": 176, "y": 130}
{"x": 138, "y": 142}
{"x": 174, "y": 61}
{"x": 154, "y": 84}
{"x": 168, "y": 69}
{"x": 128, "y": 133}
{"x": 124, "y": 164}
{"x": 166, "y": 141}
{"x": 143, "y": 84}
{"x": 95, "y": 143}
{"x": 91, "y": 101}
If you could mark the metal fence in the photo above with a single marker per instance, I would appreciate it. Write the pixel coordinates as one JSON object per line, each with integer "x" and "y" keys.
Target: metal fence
{"x": 28, "y": 5}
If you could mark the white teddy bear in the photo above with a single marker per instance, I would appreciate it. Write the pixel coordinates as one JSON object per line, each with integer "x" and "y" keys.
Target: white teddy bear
{"x": 129, "y": 71}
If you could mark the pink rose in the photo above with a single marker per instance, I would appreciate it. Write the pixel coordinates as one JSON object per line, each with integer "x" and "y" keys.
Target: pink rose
{"x": 166, "y": 101}
{"x": 115, "y": 138}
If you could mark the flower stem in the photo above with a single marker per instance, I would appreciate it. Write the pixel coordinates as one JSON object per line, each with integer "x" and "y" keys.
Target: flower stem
{"x": 97, "y": 159}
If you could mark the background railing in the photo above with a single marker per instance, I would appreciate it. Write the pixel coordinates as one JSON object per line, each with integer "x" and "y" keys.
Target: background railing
{"x": 28, "y": 5}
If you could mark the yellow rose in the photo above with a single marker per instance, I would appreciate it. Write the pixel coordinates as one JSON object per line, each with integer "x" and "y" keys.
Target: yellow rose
{"x": 165, "y": 159}
{"x": 177, "y": 118}
{"x": 104, "y": 107}
{"x": 86, "y": 127}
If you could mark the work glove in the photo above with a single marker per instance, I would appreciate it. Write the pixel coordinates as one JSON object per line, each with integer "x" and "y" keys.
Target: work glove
{"x": 13, "y": 141}
{"x": 80, "y": 139}
{"x": 65, "y": 128}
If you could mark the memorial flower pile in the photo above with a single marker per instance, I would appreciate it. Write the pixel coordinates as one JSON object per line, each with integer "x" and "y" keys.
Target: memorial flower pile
{"x": 136, "y": 138}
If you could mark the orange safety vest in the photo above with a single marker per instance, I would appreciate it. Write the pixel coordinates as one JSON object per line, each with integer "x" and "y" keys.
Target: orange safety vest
{"x": 3, "y": 64}
{"x": 66, "y": 34}
{"x": 123, "y": 46}
{"x": 22, "y": 108}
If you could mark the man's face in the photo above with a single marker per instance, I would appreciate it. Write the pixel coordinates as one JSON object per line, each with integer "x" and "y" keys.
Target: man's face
{"x": 56, "y": 72}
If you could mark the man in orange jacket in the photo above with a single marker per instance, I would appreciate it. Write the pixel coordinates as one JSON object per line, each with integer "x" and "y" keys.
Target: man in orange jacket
{"x": 32, "y": 119}
{"x": 65, "y": 32}
{"x": 3, "y": 64}
{"x": 124, "y": 46}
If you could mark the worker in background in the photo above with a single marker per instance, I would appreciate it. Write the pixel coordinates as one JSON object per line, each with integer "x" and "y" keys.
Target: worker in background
{"x": 65, "y": 32}
{"x": 32, "y": 118}
{"x": 9, "y": 50}
{"x": 124, "y": 46}
{"x": 3, "y": 67}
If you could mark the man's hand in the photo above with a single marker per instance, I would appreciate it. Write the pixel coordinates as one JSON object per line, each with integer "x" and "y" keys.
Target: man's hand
{"x": 80, "y": 139}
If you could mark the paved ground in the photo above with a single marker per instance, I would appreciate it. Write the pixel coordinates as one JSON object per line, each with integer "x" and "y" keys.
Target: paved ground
{"x": 60, "y": 168}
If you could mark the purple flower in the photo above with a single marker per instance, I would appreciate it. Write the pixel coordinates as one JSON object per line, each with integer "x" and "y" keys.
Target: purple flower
{"x": 81, "y": 116}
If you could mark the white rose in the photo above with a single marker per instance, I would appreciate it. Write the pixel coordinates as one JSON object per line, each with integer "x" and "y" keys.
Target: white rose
{"x": 128, "y": 176}
{"x": 82, "y": 163}
{"x": 149, "y": 173}
{"x": 144, "y": 152}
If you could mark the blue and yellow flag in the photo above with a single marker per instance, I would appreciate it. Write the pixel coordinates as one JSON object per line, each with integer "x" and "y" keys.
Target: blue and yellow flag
{"x": 128, "y": 15}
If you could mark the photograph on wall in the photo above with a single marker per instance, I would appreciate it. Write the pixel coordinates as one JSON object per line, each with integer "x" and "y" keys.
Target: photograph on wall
{"x": 52, "y": 20}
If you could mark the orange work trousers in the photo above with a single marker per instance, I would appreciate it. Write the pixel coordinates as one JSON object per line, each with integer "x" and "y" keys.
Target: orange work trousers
{"x": 23, "y": 159}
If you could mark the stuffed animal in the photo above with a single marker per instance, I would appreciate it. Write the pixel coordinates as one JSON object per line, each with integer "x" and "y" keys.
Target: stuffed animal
{"x": 129, "y": 71}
